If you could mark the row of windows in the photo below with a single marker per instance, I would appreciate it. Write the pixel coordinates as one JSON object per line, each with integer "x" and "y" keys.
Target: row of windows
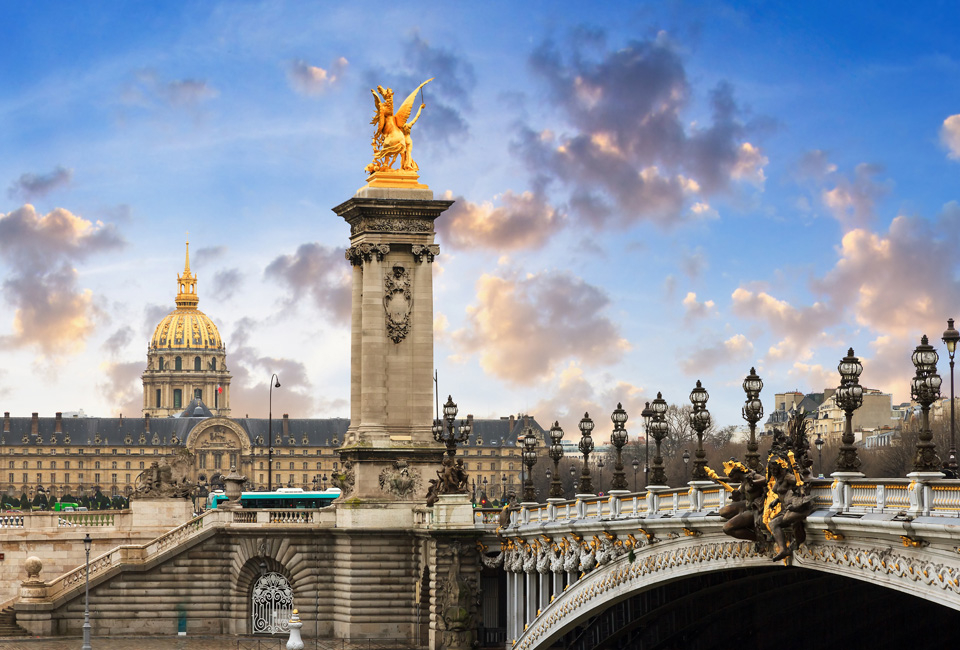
{"x": 178, "y": 364}
{"x": 66, "y": 464}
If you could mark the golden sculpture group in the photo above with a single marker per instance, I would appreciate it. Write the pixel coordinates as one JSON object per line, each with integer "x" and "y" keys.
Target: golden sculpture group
{"x": 392, "y": 140}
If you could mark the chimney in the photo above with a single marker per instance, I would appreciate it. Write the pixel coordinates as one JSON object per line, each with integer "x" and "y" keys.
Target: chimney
{"x": 511, "y": 424}
{"x": 58, "y": 424}
{"x": 6, "y": 422}
{"x": 286, "y": 425}
{"x": 35, "y": 424}
{"x": 146, "y": 422}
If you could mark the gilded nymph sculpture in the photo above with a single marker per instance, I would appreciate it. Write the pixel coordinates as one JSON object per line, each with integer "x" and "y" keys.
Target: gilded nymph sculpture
{"x": 392, "y": 138}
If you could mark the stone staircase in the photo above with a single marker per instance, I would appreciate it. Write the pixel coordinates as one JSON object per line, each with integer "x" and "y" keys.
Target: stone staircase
{"x": 8, "y": 623}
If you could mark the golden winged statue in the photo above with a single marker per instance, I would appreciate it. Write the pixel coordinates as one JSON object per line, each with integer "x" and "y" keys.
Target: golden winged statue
{"x": 392, "y": 139}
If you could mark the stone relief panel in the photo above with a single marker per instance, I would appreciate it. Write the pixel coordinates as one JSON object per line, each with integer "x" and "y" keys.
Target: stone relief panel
{"x": 400, "y": 480}
{"x": 397, "y": 302}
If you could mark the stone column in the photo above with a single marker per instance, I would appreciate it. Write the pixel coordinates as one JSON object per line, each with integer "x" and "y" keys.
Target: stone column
{"x": 544, "y": 590}
{"x": 391, "y": 378}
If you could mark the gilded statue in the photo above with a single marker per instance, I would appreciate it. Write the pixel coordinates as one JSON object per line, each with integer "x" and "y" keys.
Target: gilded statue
{"x": 392, "y": 138}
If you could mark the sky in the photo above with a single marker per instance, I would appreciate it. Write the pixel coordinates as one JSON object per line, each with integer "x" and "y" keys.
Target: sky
{"x": 647, "y": 194}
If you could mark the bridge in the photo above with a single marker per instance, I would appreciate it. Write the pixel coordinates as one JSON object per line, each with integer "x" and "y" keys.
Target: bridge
{"x": 568, "y": 561}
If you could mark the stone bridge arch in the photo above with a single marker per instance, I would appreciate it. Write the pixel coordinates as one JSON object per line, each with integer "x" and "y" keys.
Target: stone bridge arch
{"x": 932, "y": 575}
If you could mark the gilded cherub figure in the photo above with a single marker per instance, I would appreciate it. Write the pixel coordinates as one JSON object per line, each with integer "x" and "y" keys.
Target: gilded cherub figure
{"x": 392, "y": 137}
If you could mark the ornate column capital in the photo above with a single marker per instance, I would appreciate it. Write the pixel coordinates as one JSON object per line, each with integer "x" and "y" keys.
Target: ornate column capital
{"x": 428, "y": 252}
{"x": 360, "y": 253}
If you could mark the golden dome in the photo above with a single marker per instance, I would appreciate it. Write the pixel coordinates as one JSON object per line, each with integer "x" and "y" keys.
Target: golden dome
{"x": 186, "y": 327}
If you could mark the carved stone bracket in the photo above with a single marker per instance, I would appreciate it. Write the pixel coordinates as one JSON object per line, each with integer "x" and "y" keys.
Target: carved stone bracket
{"x": 366, "y": 253}
{"x": 428, "y": 252}
{"x": 397, "y": 302}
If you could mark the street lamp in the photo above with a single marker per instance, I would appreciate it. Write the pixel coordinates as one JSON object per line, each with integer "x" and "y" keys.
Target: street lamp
{"x": 529, "y": 459}
{"x": 636, "y": 466}
{"x": 87, "y": 543}
{"x": 699, "y": 420}
{"x": 647, "y": 415}
{"x": 274, "y": 383}
{"x": 447, "y": 431}
{"x": 950, "y": 338}
{"x": 752, "y": 412}
{"x": 619, "y": 439}
{"x": 659, "y": 428}
{"x": 686, "y": 462}
{"x": 573, "y": 479}
{"x": 556, "y": 453}
{"x": 849, "y": 397}
{"x": 600, "y": 477}
{"x": 925, "y": 389}
{"x": 503, "y": 488}
{"x": 585, "y": 446}
{"x": 819, "y": 443}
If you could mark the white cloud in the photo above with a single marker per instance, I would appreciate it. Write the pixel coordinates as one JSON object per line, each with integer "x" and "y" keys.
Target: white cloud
{"x": 950, "y": 136}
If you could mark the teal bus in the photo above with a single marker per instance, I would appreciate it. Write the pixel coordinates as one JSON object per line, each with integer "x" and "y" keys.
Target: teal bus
{"x": 282, "y": 498}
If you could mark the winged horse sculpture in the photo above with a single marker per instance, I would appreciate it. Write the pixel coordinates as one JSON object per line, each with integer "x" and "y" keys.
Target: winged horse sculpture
{"x": 392, "y": 137}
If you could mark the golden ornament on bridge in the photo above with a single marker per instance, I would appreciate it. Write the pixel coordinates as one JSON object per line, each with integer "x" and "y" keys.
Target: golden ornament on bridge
{"x": 391, "y": 140}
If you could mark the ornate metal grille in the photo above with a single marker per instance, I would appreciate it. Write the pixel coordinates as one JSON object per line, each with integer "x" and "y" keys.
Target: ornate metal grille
{"x": 272, "y": 603}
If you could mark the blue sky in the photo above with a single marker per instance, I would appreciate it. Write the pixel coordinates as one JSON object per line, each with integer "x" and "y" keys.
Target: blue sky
{"x": 647, "y": 194}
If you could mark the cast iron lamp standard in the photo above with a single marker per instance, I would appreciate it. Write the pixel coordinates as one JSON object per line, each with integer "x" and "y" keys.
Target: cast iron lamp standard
{"x": 950, "y": 338}
{"x": 87, "y": 543}
{"x": 619, "y": 439}
{"x": 699, "y": 420}
{"x": 447, "y": 431}
{"x": 274, "y": 383}
{"x": 585, "y": 446}
{"x": 636, "y": 466}
{"x": 647, "y": 415}
{"x": 752, "y": 412}
{"x": 659, "y": 428}
{"x": 819, "y": 443}
{"x": 925, "y": 389}
{"x": 529, "y": 459}
{"x": 849, "y": 397}
{"x": 556, "y": 453}
{"x": 600, "y": 475}
{"x": 686, "y": 463}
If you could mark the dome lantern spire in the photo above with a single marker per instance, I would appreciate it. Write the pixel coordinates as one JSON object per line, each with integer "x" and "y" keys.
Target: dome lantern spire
{"x": 187, "y": 283}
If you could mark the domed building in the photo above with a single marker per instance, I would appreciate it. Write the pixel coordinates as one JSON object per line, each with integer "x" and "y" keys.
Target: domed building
{"x": 186, "y": 359}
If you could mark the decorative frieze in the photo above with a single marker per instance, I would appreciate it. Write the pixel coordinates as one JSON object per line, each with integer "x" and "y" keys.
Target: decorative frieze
{"x": 385, "y": 224}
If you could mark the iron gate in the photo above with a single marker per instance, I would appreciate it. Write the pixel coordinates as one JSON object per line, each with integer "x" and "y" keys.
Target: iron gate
{"x": 272, "y": 604}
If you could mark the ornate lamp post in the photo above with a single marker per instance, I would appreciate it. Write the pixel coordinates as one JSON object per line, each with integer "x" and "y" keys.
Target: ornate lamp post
{"x": 925, "y": 389}
{"x": 849, "y": 397}
{"x": 585, "y": 446}
{"x": 600, "y": 475}
{"x": 636, "y": 466}
{"x": 87, "y": 543}
{"x": 274, "y": 383}
{"x": 686, "y": 463}
{"x": 950, "y": 338}
{"x": 503, "y": 488}
{"x": 752, "y": 412}
{"x": 619, "y": 439}
{"x": 529, "y": 459}
{"x": 659, "y": 428}
{"x": 819, "y": 443}
{"x": 573, "y": 479}
{"x": 556, "y": 453}
{"x": 447, "y": 432}
{"x": 699, "y": 420}
{"x": 647, "y": 415}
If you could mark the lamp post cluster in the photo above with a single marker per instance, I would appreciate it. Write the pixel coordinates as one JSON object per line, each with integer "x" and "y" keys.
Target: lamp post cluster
{"x": 585, "y": 446}
{"x": 752, "y": 412}
{"x": 657, "y": 425}
{"x": 925, "y": 389}
{"x": 529, "y": 459}
{"x": 699, "y": 420}
{"x": 619, "y": 438}
{"x": 849, "y": 397}
{"x": 447, "y": 431}
{"x": 556, "y": 453}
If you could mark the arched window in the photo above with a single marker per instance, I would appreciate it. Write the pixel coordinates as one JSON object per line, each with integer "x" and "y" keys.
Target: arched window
{"x": 196, "y": 363}
{"x": 178, "y": 364}
{"x": 160, "y": 363}
{"x": 213, "y": 364}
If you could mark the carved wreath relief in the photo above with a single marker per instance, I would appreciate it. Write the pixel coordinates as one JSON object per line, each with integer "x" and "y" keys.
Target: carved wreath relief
{"x": 397, "y": 302}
